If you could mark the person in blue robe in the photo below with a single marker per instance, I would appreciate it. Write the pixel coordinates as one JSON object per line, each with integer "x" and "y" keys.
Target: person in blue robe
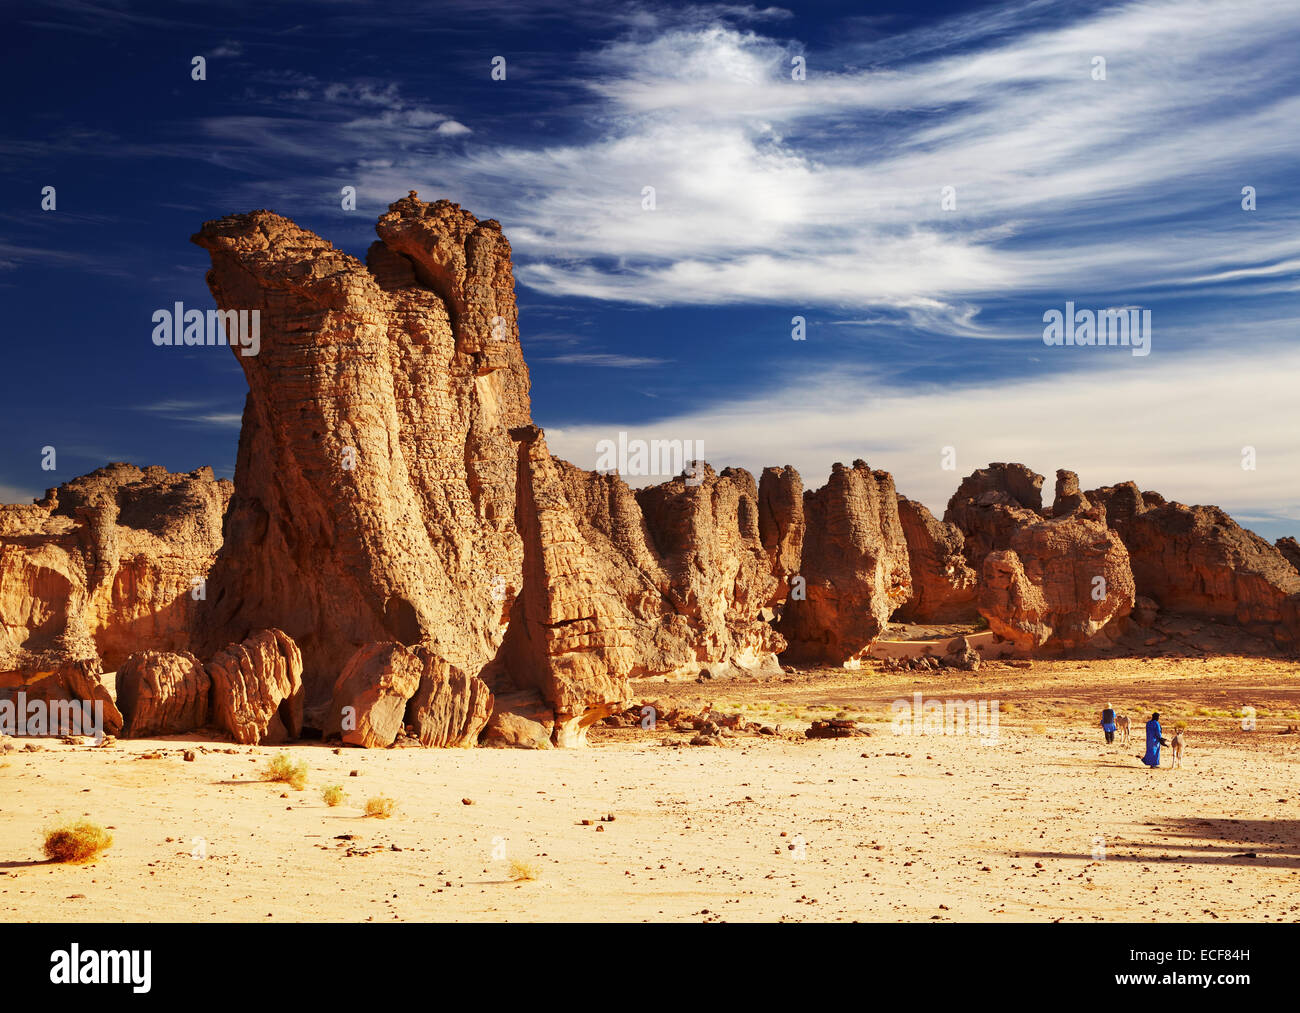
{"x": 1108, "y": 723}
{"x": 1154, "y": 741}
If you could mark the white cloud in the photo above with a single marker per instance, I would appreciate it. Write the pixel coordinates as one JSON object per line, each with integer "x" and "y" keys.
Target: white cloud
{"x": 827, "y": 191}
{"x": 1176, "y": 426}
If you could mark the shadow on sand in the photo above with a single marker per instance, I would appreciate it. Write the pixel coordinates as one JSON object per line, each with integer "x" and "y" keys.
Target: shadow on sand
{"x": 1256, "y": 843}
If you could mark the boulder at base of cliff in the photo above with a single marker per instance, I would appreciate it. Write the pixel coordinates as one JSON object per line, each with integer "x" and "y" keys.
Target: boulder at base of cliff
{"x": 370, "y": 695}
{"x": 520, "y": 720}
{"x": 162, "y": 693}
{"x": 450, "y": 708}
{"x": 257, "y": 693}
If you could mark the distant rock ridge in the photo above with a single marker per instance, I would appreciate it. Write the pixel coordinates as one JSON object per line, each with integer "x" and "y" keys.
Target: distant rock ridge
{"x": 400, "y": 558}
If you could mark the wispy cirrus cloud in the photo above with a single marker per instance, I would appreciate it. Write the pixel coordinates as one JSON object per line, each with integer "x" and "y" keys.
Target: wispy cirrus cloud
{"x": 604, "y": 359}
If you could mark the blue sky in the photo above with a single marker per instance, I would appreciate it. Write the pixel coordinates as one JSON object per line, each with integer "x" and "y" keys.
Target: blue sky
{"x": 774, "y": 197}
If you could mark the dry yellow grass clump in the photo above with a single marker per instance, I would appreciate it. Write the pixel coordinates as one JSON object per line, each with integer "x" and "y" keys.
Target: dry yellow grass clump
{"x": 381, "y": 806}
{"x": 521, "y": 871}
{"x": 334, "y": 795}
{"x": 78, "y": 842}
{"x": 282, "y": 768}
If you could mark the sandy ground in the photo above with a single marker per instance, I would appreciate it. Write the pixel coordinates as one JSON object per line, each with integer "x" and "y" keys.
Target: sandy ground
{"x": 886, "y": 827}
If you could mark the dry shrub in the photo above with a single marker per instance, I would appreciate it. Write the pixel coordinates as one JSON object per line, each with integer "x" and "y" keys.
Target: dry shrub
{"x": 78, "y": 842}
{"x": 333, "y": 795}
{"x": 381, "y": 807}
{"x": 282, "y": 768}
{"x": 521, "y": 871}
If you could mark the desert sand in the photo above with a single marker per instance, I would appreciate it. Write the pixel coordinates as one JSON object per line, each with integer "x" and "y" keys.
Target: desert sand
{"x": 880, "y": 828}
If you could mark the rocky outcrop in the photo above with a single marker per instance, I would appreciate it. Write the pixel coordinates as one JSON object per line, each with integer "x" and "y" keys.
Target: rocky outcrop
{"x": 397, "y": 515}
{"x": 103, "y": 566}
{"x": 388, "y": 689}
{"x": 257, "y": 692}
{"x": 1198, "y": 560}
{"x": 162, "y": 693}
{"x": 687, "y": 560}
{"x": 520, "y": 720}
{"x": 450, "y": 708}
{"x": 1290, "y": 550}
{"x": 1119, "y": 504}
{"x": 1058, "y": 585}
{"x": 714, "y": 569}
{"x": 943, "y": 585}
{"x": 570, "y": 637}
{"x": 781, "y": 521}
{"x": 107, "y": 564}
{"x": 369, "y": 703}
{"x": 1069, "y": 501}
{"x": 78, "y": 701}
{"x": 991, "y": 504}
{"x": 855, "y": 567}
{"x": 375, "y": 483}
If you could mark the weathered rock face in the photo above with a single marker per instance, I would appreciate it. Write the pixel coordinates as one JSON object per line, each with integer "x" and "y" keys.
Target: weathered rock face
{"x": 105, "y": 565}
{"x": 991, "y": 504}
{"x": 77, "y": 700}
{"x": 1290, "y": 550}
{"x": 369, "y": 703}
{"x": 1120, "y": 504}
{"x": 450, "y": 708}
{"x": 521, "y": 720}
{"x": 943, "y": 585}
{"x": 386, "y": 688}
{"x": 686, "y": 559}
{"x": 1071, "y": 502}
{"x": 162, "y": 693}
{"x": 376, "y": 476}
{"x": 570, "y": 637}
{"x": 705, "y": 535}
{"x": 1060, "y": 582}
{"x": 781, "y": 521}
{"x": 855, "y": 564}
{"x": 257, "y": 692}
{"x": 1199, "y": 560}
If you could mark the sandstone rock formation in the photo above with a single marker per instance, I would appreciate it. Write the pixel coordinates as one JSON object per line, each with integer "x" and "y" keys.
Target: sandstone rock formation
{"x": 398, "y": 516}
{"x": 1198, "y": 560}
{"x": 162, "y": 693}
{"x": 855, "y": 565}
{"x": 522, "y": 720}
{"x": 687, "y": 560}
{"x": 715, "y": 569}
{"x": 570, "y": 638}
{"x": 450, "y": 708}
{"x": 369, "y": 704}
{"x": 1070, "y": 501}
{"x": 781, "y": 521}
{"x": 943, "y": 585}
{"x": 991, "y": 504}
{"x": 375, "y": 483}
{"x": 1290, "y": 550}
{"x": 388, "y": 688}
{"x": 77, "y": 701}
{"x": 1059, "y": 583}
{"x": 108, "y": 563}
{"x": 257, "y": 691}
